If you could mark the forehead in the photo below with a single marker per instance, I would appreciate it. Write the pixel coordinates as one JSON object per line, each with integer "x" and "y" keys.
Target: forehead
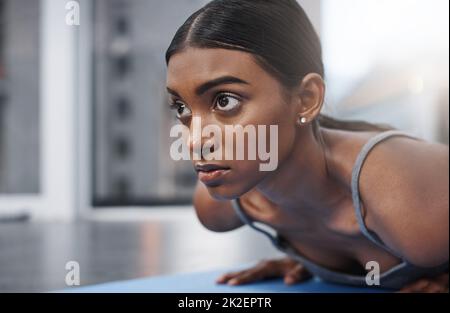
{"x": 197, "y": 65}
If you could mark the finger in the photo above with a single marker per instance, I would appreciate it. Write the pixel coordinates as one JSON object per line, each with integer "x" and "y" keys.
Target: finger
{"x": 439, "y": 284}
{"x": 296, "y": 274}
{"x": 419, "y": 286}
{"x": 226, "y": 277}
{"x": 265, "y": 265}
{"x": 264, "y": 269}
{"x": 415, "y": 287}
{"x": 249, "y": 276}
{"x": 435, "y": 287}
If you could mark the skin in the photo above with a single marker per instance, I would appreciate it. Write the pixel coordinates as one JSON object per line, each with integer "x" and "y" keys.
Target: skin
{"x": 307, "y": 199}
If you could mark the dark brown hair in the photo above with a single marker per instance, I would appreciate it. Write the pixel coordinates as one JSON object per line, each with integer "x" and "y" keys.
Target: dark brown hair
{"x": 277, "y": 32}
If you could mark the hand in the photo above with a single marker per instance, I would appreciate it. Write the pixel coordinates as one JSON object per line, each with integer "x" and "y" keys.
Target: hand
{"x": 292, "y": 272}
{"x": 438, "y": 284}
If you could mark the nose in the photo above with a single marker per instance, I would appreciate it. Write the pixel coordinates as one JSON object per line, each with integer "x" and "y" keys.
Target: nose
{"x": 199, "y": 145}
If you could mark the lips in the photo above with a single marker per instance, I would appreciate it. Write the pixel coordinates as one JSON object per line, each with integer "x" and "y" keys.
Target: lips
{"x": 210, "y": 173}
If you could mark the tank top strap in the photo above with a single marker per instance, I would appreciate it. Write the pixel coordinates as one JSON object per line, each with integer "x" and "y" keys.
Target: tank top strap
{"x": 260, "y": 227}
{"x": 278, "y": 241}
{"x": 355, "y": 183}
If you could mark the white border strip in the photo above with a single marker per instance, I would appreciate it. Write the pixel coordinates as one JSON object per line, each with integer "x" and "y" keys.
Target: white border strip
{"x": 58, "y": 107}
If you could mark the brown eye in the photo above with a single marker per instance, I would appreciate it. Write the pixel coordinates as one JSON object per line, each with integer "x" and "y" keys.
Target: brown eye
{"x": 181, "y": 109}
{"x": 226, "y": 102}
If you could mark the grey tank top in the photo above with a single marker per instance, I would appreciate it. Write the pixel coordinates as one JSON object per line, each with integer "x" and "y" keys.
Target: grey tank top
{"x": 394, "y": 278}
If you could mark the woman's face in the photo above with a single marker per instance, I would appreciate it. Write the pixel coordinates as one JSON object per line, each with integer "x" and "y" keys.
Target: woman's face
{"x": 248, "y": 96}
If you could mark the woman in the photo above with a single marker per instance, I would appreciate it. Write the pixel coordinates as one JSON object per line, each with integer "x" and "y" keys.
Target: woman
{"x": 347, "y": 196}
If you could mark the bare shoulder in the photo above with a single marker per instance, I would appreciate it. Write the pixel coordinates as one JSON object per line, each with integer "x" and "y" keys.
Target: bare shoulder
{"x": 404, "y": 187}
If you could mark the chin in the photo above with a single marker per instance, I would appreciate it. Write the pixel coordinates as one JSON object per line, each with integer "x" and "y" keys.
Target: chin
{"x": 228, "y": 191}
{"x": 222, "y": 192}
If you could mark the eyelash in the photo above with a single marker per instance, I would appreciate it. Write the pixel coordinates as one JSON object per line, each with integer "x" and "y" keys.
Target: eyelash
{"x": 174, "y": 105}
{"x": 225, "y": 94}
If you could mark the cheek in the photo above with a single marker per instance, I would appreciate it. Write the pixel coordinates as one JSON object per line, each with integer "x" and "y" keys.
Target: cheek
{"x": 284, "y": 118}
{"x": 276, "y": 124}
{"x": 245, "y": 176}
{"x": 286, "y": 140}
{"x": 246, "y": 173}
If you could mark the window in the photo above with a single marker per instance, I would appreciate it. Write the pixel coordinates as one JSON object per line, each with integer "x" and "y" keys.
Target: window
{"x": 19, "y": 110}
{"x": 387, "y": 61}
{"x": 131, "y": 117}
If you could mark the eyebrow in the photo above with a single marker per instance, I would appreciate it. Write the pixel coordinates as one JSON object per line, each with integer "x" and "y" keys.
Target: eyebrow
{"x": 200, "y": 90}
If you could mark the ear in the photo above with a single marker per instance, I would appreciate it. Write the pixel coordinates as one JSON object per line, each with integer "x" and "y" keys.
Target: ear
{"x": 310, "y": 96}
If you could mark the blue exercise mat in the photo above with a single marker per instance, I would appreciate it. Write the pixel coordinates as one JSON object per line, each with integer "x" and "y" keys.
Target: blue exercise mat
{"x": 204, "y": 282}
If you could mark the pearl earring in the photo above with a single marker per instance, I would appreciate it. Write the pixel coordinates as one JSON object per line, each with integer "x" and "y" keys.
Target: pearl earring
{"x": 303, "y": 120}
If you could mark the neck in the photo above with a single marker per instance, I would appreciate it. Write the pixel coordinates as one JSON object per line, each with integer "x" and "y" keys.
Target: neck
{"x": 304, "y": 182}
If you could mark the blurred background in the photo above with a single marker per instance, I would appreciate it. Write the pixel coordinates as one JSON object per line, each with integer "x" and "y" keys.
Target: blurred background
{"x": 84, "y": 167}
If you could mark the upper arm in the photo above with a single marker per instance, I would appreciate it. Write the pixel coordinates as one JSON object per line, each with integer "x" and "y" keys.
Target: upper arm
{"x": 404, "y": 187}
{"x": 218, "y": 216}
